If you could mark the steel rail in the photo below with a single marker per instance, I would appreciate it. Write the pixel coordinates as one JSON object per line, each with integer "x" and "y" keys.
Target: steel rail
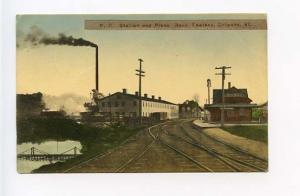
{"x": 140, "y": 154}
{"x": 244, "y": 163}
{"x": 134, "y": 158}
{"x": 231, "y": 146}
{"x": 216, "y": 155}
{"x": 101, "y": 155}
{"x": 186, "y": 156}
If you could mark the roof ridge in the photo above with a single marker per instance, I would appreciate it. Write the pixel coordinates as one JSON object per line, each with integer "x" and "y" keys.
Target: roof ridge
{"x": 143, "y": 98}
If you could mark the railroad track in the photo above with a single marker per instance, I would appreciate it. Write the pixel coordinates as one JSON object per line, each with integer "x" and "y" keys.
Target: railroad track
{"x": 196, "y": 153}
{"x": 138, "y": 163}
{"x": 186, "y": 154}
{"x": 108, "y": 161}
{"x": 239, "y": 160}
{"x": 171, "y": 147}
{"x": 122, "y": 167}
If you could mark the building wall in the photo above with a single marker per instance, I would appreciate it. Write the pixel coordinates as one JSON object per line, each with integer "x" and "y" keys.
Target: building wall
{"x": 149, "y": 107}
{"x": 188, "y": 112}
{"x": 236, "y": 114}
{"x": 121, "y": 104}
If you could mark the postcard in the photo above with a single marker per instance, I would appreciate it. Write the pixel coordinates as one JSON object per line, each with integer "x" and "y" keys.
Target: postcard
{"x": 142, "y": 93}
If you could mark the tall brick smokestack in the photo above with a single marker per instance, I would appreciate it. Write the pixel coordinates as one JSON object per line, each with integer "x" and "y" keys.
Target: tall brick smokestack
{"x": 97, "y": 77}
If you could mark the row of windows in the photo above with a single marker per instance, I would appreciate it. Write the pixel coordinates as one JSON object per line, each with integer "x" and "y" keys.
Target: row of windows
{"x": 145, "y": 114}
{"x": 116, "y": 104}
{"x": 134, "y": 103}
{"x": 235, "y": 95}
{"x": 133, "y": 114}
{"x": 159, "y": 105}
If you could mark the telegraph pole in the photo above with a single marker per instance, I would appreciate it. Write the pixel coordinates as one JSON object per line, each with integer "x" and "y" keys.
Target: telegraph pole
{"x": 223, "y": 68}
{"x": 140, "y": 73}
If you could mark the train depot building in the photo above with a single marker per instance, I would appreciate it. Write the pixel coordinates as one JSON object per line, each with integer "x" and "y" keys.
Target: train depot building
{"x": 124, "y": 105}
{"x": 237, "y": 105}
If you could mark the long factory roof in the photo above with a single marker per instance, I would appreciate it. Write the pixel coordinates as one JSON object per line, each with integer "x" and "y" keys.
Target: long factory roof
{"x": 136, "y": 97}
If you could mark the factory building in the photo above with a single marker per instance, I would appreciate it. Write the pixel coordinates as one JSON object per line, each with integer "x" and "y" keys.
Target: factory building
{"x": 122, "y": 104}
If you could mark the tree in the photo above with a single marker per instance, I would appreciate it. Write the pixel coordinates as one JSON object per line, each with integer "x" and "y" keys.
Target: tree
{"x": 196, "y": 98}
{"x": 257, "y": 113}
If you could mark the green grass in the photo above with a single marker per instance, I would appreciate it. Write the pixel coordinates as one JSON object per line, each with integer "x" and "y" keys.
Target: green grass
{"x": 259, "y": 133}
{"x": 94, "y": 140}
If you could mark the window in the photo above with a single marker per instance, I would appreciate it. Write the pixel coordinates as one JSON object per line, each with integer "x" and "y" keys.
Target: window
{"x": 123, "y": 103}
{"x": 134, "y": 103}
{"x": 103, "y": 104}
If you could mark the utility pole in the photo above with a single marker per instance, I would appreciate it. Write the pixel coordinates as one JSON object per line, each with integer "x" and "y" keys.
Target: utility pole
{"x": 140, "y": 73}
{"x": 223, "y": 68}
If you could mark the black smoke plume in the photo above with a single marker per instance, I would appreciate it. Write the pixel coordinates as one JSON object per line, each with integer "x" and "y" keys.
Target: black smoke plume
{"x": 37, "y": 36}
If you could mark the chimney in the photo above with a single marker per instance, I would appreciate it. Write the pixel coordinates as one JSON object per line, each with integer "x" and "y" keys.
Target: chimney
{"x": 229, "y": 85}
{"x": 124, "y": 91}
{"x": 146, "y": 95}
{"x": 153, "y": 97}
{"x": 159, "y": 98}
{"x": 97, "y": 79}
{"x": 136, "y": 93}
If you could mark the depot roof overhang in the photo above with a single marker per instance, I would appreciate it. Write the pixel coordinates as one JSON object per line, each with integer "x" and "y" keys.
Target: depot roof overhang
{"x": 207, "y": 106}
